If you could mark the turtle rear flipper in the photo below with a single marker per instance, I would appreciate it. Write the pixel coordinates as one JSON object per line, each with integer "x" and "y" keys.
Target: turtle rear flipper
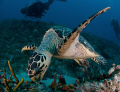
{"x": 83, "y": 62}
{"x": 99, "y": 60}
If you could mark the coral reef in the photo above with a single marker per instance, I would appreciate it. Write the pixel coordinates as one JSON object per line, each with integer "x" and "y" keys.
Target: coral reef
{"x": 13, "y": 74}
{"x": 54, "y": 83}
{"x": 9, "y": 85}
{"x": 20, "y": 33}
{"x": 32, "y": 32}
{"x": 97, "y": 78}
{"x": 7, "y": 81}
{"x": 107, "y": 84}
{"x": 110, "y": 83}
{"x": 62, "y": 86}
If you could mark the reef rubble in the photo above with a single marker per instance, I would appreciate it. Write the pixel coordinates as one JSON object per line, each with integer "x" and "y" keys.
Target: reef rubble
{"x": 107, "y": 83}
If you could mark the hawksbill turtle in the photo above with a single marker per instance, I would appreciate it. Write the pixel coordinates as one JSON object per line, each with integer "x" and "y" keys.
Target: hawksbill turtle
{"x": 63, "y": 43}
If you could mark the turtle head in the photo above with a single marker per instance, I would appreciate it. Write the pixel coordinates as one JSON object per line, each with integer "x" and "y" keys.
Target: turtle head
{"x": 37, "y": 65}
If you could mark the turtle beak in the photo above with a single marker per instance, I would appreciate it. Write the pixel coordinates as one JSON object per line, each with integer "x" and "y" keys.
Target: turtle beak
{"x": 34, "y": 78}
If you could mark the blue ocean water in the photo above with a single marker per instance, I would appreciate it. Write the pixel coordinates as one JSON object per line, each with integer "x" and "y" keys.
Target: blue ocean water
{"x": 70, "y": 13}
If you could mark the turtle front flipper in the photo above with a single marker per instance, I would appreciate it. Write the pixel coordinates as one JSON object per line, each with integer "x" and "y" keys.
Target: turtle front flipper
{"x": 77, "y": 50}
{"x": 67, "y": 43}
{"x": 29, "y": 47}
{"x": 85, "y": 62}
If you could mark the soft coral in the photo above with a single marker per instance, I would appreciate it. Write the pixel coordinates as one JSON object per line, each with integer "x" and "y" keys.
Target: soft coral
{"x": 54, "y": 83}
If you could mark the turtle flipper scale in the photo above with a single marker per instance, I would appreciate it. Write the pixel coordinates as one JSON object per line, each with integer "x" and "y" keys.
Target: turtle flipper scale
{"x": 99, "y": 60}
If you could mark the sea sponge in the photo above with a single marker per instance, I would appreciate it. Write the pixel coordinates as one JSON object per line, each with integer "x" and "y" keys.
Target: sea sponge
{"x": 61, "y": 80}
{"x": 71, "y": 85}
{"x": 54, "y": 83}
{"x": 59, "y": 84}
{"x": 65, "y": 88}
{"x": 12, "y": 72}
{"x": 3, "y": 75}
{"x": 22, "y": 80}
{"x": 26, "y": 81}
{"x": 6, "y": 84}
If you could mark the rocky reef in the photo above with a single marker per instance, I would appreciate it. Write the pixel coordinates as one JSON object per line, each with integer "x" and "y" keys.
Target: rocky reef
{"x": 15, "y": 34}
